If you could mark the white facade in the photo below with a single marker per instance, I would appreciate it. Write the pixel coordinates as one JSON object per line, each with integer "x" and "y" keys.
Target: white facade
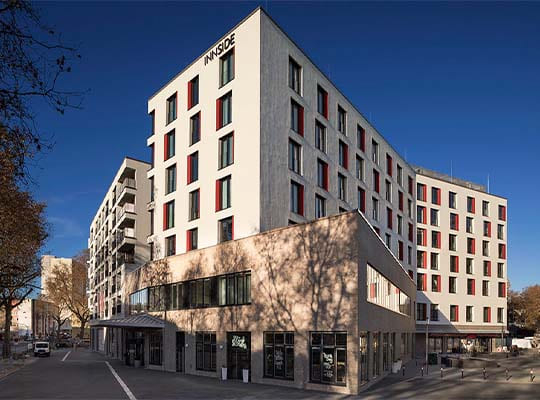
{"x": 476, "y": 289}
{"x": 261, "y": 124}
{"x": 118, "y": 239}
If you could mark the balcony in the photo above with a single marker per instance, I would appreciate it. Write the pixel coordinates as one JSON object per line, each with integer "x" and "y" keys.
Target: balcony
{"x": 126, "y": 258}
{"x": 126, "y": 238}
{"x": 127, "y": 190}
{"x": 126, "y": 215}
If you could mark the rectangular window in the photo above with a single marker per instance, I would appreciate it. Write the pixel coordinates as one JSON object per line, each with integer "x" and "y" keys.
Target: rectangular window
{"x": 400, "y": 250}
{"x": 421, "y": 312}
{"x": 362, "y": 200}
{"x": 152, "y": 122}
{"x": 435, "y": 283}
{"x": 421, "y": 191}
{"x": 469, "y": 265}
{"x": 389, "y": 165}
{"x": 471, "y": 206}
{"x": 361, "y": 138}
{"x": 224, "y": 110}
{"x": 295, "y": 76}
{"x": 152, "y": 155}
{"x": 375, "y": 152}
{"x": 454, "y": 264}
{"x": 343, "y": 155}
{"x": 502, "y": 213}
{"x": 469, "y": 223}
{"x": 193, "y": 92}
{"x": 435, "y": 261}
{"x": 342, "y": 120}
{"x": 436, "y": 239}
{"x": 297, "y": 118}
{"x": 434, "y": 311}
{"x": 194, "y": 205}
{"x": 421, "y": 261}
{"x": 375, "y": 204}
{"x": 388, "y": 190}
{"x": 223, "y": 193}
{"x": 469, "y": 313}
{"x": 411, "y": 184}
{"x": 195, "y": 128}
{"x": 359, "y": 168}
{"x": 171, "y": 179}
{"x": 454, "y": 313}
{"x": 155, "y": 348}
{"x": 400, "y": 200}
{"x": 502, "y": 251}
{"x": 452, "y": 242}
{"x": 320, "y": 136}
{"x": 502, "y": 289}
{"x": 471, "y": 246}
{"x": 485, "y": 288}
{"x": 170, "y": 246}
{"x": 169, "y": 145}
{"x": 471, "y": 287}
{"x": 297, "y": 198}
{"x": 226, "y": 150}
{"x": 320, "y": 206}
{"x": 226, "y": 68}
{"x": 500, "y": 315}
{"x": 500, "y": 232}
{"x": 452, "y": 199}
{"x": 500, "y": 270}
{"x": 485, "y": 208}
{"x": 192, "y": 239}
{"x": 193, "y": 167}
{"x": 421, "y": 282}
{"x": 168, "y": 215}
{"x": 322, "y": 101}
{"x": 279, "y": 355}
{"x": 205, "y": 351}
{"x": 421, "y": 214}
{"x": 322, "y": 174}
{"x": 411, "y": 232}
{"x": 436, "y": 196}
{"x": 399, "y": 225}
{"x": 295, "y": 152}
{"x": 421, "y": 237}
{"x": 171, "y": 108}
{"x": 434, "y": 217}
{"x": 328, "y": 357}
{"x": 400, "y": 175}
{"x": 226, "y": 229}
{"x": 487, "y": 314}
{"x": 485, "y": 248}
{"x": 376, "y": 184}
{"x": 454, "y": 221}
{"x": 342, "y": 187}
{"x": 389, "y": 218}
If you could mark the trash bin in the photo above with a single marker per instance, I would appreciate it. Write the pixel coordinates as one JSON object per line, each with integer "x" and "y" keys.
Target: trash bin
{"x": 245, "y": 375}
{"x": 223, "y": 373}
{"x": 432, "y": 359}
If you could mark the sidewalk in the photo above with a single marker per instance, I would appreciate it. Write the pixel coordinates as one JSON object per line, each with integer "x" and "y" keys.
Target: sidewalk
{"x": 9, "y": 366}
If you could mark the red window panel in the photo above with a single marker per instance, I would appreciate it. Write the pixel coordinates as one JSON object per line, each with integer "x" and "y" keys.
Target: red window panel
{"x": 424, "y": 282}
{"x": 489, "y": 229}
{"x": 189, "y": 169}
{"x": 473, "y": 288}
{"x": 188, "y": 239}
{"x": 346, "y": 156}
{"x": 218, "y": 195}
{"x": 376, "y": 180}
{"x": 389, "y": 169}
{"x": 301, "y": 200}
{"x": 411, "y": 186}
{"x": 424, "y": 214}
{"x": 438, "y": 283}
{"x": 411, "y": 232}
{"x": 503, "y": 289}
{"x": 389, "y": 218}
{"x": 502, "y": 213}
{"x": 457, "y": 222}
{"x": 473, "y": 205}
{"x": 424, "y": 237}
{"x": 164, "y": 216}
{"x": 325, "y": 96}
{"x": 400, "y": 250}
{"x": 488, "y": 314}
{"x": 400, "y": 200}
{"x": 232, "y": 219}
{"x": 424, "y": 259}
{"x": 218, "y": 114}
{"x": 456, "y": 263}
{"x": 438, "y": 240}
{"x": 473, "y": 246}
{"x": 165, "y": 146}
{"x": 424, "y": 192}
{"x": 457, "y": 313}
{"x": 372, "y": 290}
{"x": 502, "y": 251}
{"x": 438, "y": 196}
{"x": 189, "y": 92}
{"x": 301, "y": 120}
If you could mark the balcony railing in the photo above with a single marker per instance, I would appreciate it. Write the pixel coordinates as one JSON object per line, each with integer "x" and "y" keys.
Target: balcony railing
{"x": 128, "y": 182}
{"x": 126, "y": 258}
{"x": 125, "y": 233}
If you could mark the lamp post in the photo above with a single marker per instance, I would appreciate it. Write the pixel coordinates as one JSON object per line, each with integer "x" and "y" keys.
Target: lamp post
{"x": 427, "y": 343}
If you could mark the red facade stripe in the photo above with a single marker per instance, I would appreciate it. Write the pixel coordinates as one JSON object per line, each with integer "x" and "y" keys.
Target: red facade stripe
{"x": 164, "y": 216}
{"x": 301, "y": 200}
{"x": 165, "y": 146}
{"x": 218, "y": 195}
{"x": 189, "y": 94}
{"x": 188, "y": 240}
{"x": 325, "y": 105}
{"x": 218, "y": 114}
{"x": 301, "y": 120}
{"x": 189, "y": 169}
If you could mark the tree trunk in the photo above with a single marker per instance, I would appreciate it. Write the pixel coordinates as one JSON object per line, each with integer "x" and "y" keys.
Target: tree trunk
{"x": 83, "y": 325}
{"x": 6, "y": 347}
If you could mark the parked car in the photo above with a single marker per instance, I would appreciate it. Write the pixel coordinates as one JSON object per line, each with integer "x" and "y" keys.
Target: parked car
{"x": 42, "y": 349}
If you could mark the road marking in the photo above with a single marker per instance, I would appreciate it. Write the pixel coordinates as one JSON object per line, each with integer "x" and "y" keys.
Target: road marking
{"x": 121, "y": 382}
{"x": 66, "y": 356}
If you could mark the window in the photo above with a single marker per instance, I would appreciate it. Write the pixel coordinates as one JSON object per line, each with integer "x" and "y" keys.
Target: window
{"x": 342, "y": 187}
{"x": 400, "y": 250}
{"x": 320, "y": 136}
{"x": 226, "y": 68}
{"x": 194, "y": 204}
{"x": 469, "y": 313}
{"x": 193, "y": 167}
{"x": 389, "y": 218}
{"x": 500, "y": 270}
{"x": 328, "y": 357}
{"x": 152, "y": 122}
{"x": 226, "y": 150}
{"x": 500, "y": 315}
{"x": 225, "y": 229}
{"x": 170, "y": 246}
{"x": 411, "y": 232}
{"x": 487, "y": 314}
{"x": 151, "y": 188}
{"x": 399, "y": 225}
{"x": 435, "y": 261}
{"x": 452, "y": 200}
{"x": 152, "y": 155}
{"x": 151, "y": 221}
{"x": 320, "y": 206}
{"x": 421, "y": 237}
{"x": 295, "y": 76}
{"x": 223, "y": 193}
{"x": 436, "y": 196}
{"x": 436, "y": 239}
{"x": 322, "y": 174}
{"x": 485, "y": 288}
{"x": 361, "y": 138}
{"x": 297, "y": 198}
{"x": 168, "y": 215}
{"x": 434, "y": 217}
{"x": 470, "y": 245}
{"x": 421, "y": 311}
{"x": 192, "y": 239}
{"x": 375, "y": 152}
{"x": 343, "y": 154}
{"x": 502, "y": 213}
{"x": 342, "y": 120}
{"x": 471, "y": 287}
{"x": 193, "y": 92}
{"x": 454, "y": 221}
{"x": 485, "y": 208}
{"x": 297, "y": 118}
{"x": 469, "y": 222}
{"x": 451, "y": 284}
{"x": 452, "y": 242}
{"x": 389, "y": 166}
{"x": 410, "y": 184}
{"x": 400, "y": 200}
{"x": 294, "y": 157}
{"x": 224, "y": 111}
{"x": 500, "y": 232}
{"x": 171, "y": 108}
{"x": 409, "y": 257}
{"x": 169, "y": 145}
{"x": 421, "y": 192}
{"x": 205, "y": 350}
{"x": 359, "y": 168}
{"x": 362, "y": 200}
{"x": 485, "y": 248}
{"x": 322, "y": 102}
{"x": 421, "y": 282}
{"x": 156, "y": 348}
{"x": 502, "y": 251}
{"x": 421, "y": 214}
{"x": 195, "y": 128}
{"x": 375, "y": 204}
{"x": 409, "y": 208}
{"x": 471, "y": 208}
{"x": 454, "y": 313}
{"x": 502, "y": 289}
{"x": 435, "y": 283}
{"x": 469, "y": 265}
{"x": 171, "y": 179}
{"x": 434, "y": 311}
{"x": 279, "y": 355}
{"x": 454, "y": 264}
{"x": 388, "y": 190}
{"x": 421, "y": 259}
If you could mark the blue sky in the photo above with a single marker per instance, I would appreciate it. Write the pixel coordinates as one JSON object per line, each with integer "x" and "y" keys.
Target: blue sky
{"x": 446, "y": 83}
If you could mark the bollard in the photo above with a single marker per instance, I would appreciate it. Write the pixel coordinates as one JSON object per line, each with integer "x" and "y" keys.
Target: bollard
{"x": 461, "y": 373}
{"x": 403, "y": 370}
{"x": 484, "y": 372}
{"x": 422, "y": 369}
{"x": 441, "y": 372}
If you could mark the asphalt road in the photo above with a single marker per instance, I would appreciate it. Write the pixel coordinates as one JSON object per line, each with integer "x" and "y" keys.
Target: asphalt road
{"x": 86, "y": 375}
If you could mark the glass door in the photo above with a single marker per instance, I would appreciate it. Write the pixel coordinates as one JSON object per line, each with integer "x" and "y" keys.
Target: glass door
{"x": 238, "y": 354}
{"x": 180, "y": 345}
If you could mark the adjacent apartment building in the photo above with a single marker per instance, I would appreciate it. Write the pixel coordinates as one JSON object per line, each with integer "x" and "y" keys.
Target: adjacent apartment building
{"x": 48, "y": 264}
{"x": 117, "y": 243}
{"x": 461, "y": 264}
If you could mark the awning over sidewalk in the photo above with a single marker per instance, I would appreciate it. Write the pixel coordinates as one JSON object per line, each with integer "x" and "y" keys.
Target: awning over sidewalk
{"x": 133, "y": 321}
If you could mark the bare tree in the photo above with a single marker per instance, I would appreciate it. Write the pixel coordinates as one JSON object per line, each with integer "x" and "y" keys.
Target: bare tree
{"x": 34, "y": 59}
{"x": 59, "y": 312}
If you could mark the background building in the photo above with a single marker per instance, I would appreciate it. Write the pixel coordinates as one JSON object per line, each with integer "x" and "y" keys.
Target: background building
{"x": 462, "y": 269}
{"x": 48, "y": 264}
{"x": 118, "y": 242}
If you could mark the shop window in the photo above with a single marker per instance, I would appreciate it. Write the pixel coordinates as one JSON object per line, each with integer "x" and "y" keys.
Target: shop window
{"x": 328, "y": 352}
{"x": 279, "y": 355}
{"x": 205, "y": 349}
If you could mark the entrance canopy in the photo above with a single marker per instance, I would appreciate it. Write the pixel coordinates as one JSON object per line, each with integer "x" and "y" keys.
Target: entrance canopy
{"x": 133, "y": 321}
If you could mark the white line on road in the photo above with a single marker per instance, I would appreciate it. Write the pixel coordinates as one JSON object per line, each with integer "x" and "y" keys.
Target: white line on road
{"x": 121, "y": 382}
{"x": 66, "y": 356}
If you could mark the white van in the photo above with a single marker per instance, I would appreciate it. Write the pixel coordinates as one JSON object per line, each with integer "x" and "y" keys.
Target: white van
{"x": 42, "y": 349}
